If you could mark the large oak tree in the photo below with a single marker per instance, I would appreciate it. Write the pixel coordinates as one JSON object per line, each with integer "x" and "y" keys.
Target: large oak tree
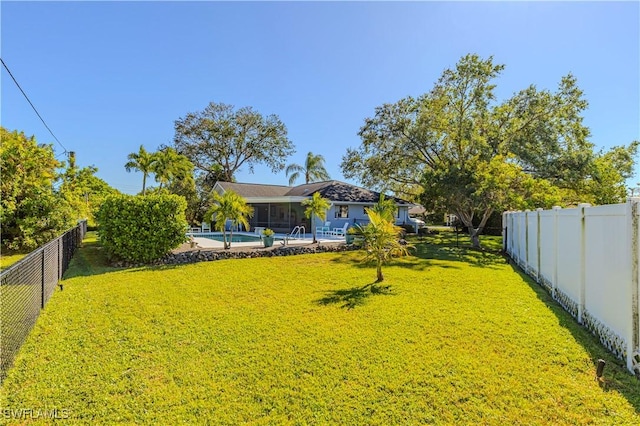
{"x": 223, "y": 139}
{"x": 469, "y": 154}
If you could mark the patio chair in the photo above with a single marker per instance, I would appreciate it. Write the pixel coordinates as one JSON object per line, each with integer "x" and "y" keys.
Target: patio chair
{"x": 206, "y": 227}
{"x": 322, "y": 230}
{"x": 340, "y": 232}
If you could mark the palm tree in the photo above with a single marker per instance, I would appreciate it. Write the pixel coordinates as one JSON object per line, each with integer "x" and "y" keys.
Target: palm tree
{"x": 170, "y": 165}
{"x": 386, "y": 208}
{"x": 313, "y": 170}
{"x": 228, "y": 206}
{"x": 381, "y": 240}
{"x": 316, "y": 206}
{"x": 142, "y": 161}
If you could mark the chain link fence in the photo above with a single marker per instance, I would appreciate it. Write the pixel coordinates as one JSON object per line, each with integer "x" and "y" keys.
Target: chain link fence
{"x": 27, "y": 286}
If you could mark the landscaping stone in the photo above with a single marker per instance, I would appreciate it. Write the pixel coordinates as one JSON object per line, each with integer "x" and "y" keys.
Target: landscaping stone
{"x": 199, "y": 255}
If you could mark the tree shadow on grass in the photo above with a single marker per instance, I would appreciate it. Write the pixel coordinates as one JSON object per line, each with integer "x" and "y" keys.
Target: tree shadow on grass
{"x": 91, "y": 259}
{"x": 355, "y": 296}
{"x": 426, "y": 254}
{"x": 430, "y": 251}
{"x": 616, "y": 377}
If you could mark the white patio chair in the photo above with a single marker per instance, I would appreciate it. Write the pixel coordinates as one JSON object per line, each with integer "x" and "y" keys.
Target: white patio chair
{"x": 206, "y": 227}
{"x": 340, "y": 232}
{"x": 323, "y": 230}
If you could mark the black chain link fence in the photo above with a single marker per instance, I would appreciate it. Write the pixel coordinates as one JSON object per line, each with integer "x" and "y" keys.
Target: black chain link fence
{"x": 26, "y": 287}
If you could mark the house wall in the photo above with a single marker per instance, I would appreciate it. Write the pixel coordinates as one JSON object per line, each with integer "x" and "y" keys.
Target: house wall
{"x": 357, "y": 215}
{"x": 283, "y": 217}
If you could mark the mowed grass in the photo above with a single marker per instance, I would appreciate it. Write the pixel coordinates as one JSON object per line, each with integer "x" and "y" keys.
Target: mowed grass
{"x": 8, "y": 258}
{"x": 453, "y": 336}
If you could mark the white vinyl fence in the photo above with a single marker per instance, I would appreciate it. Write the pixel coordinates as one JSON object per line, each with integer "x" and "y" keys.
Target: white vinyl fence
{"x": 587, "y": 258}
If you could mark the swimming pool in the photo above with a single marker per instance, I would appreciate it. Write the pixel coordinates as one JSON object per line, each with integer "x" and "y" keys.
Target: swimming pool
{"x": 237, "y": 238}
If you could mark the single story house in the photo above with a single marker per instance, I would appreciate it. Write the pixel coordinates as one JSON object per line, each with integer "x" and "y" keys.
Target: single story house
{"x": 279, "y": 207}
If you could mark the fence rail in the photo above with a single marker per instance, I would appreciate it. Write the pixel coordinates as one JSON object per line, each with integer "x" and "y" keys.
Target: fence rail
{"x": 27, "y": 286}
{"x": 588, "y": 259}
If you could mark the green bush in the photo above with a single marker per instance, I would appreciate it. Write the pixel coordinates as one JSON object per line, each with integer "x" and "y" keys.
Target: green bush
{"x": 408, "y": 229}
{"x": 141, "y": 228}
{"x": 31, "y": 211}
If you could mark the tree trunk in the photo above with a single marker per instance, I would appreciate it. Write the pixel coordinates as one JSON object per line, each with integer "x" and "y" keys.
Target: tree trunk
{"x": 313, "y": 229}
{"x": 474, "y": 233}
{"x": 379, "y": 273}
{"x": 224, "y": 239}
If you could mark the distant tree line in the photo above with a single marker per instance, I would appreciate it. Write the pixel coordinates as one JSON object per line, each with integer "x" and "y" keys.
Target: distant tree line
{"x": 455, "y": 149}
{"x": 213, "y": 145}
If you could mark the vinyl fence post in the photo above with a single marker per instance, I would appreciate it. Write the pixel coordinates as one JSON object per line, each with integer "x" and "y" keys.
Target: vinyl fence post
{"x": 633, "y": 345}
{"x": 504, "y": 245}
{"x": 526, "y": 242}
{"x": 556, "y": 252}
{"x": 583, "y": 266}
{"x": 538, "y": 279}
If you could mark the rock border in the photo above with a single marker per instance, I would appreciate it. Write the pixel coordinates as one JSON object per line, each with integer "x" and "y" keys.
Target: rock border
{"x": 199, "y": 255}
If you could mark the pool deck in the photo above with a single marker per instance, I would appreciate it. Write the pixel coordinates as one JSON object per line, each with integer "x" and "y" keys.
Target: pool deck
{"x": 209, "y": 244}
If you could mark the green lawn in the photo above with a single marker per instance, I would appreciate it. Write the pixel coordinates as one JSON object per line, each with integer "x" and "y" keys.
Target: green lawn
{"x": 457, "y": 337}
{"x": 8, "y": 258}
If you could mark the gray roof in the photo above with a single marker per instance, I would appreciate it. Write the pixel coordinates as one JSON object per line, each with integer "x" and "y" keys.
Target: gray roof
{"x": 332, "y": 190}
{"x": 417, "y": 209}
{"x": 248, "y": 190}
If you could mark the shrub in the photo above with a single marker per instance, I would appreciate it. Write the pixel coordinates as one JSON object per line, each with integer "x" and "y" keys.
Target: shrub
{"x": 31, "y": 211}
{"x": 408, "y": 229}
{"x": 268, "y": 232}
{"x": 141, "y": 228}
{"x": 427, "y": 231}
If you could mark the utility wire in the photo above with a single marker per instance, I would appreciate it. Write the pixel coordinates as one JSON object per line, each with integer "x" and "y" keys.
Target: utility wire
{"x": 32, "y": 106}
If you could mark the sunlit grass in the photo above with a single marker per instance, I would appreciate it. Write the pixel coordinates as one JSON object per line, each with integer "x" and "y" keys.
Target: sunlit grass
{"x": 8, "y": 258}
{"x": 452, "y": 336}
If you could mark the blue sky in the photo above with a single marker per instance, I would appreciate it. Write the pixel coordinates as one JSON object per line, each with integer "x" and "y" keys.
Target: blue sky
{"x": 109, "y": 76}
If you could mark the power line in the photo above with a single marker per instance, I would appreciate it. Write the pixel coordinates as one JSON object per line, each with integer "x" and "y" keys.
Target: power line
{"x": 32, "y": 106}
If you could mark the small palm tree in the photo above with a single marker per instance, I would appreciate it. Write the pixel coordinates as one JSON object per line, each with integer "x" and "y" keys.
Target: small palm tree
{"x": 228, "y": 206}
{"x": 313, "y": 170}
{"x": 316, "y": 206}
{"x": 386, "y": 208}
{"x": 142, "y": 161}
{"x": 381, "y": 240}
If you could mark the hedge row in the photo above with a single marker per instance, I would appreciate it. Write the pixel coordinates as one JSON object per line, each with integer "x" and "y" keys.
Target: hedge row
{"x": 141, "y": 228}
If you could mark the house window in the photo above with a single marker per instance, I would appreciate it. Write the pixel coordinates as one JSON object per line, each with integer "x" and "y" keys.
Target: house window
{"x": 342, "y": 212}
{"x": 396, "y": 213}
